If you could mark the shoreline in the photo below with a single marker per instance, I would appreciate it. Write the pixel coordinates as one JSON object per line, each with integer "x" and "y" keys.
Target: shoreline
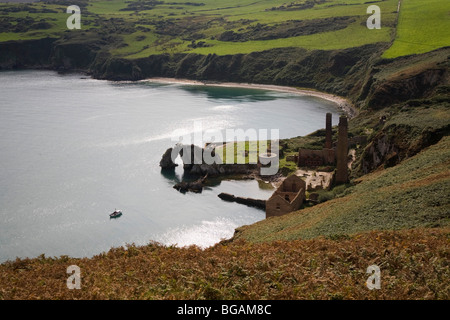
{"x": 342, "y": 103}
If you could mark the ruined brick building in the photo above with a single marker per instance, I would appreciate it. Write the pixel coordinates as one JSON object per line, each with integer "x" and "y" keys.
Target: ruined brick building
{"x": 329, "y": 155}
{"x": 291, "y": 194}
{"x": 316, "y": 158}
{"x": 287, "y": 198}
{"x": 342, "y": 152}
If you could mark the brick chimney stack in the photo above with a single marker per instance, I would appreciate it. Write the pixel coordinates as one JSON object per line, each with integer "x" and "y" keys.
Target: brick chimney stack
{"x": 342, "y": 152}
{"x": 328, "y": 132}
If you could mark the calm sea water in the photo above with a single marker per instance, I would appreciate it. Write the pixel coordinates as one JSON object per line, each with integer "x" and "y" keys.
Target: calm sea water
{"x": 72, "y": 149}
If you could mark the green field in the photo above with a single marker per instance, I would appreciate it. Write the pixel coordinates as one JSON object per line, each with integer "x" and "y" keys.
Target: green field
{"x": 423, "y": 26}
{"x": 151, "y": 27}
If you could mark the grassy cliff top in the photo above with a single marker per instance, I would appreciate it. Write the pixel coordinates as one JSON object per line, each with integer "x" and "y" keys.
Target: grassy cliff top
{"x": 146, "y": 27}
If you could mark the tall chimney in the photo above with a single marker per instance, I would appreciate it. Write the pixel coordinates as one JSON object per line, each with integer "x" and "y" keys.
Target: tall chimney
{"x": 342, "y": 152}
{"x": 328, "y": 132}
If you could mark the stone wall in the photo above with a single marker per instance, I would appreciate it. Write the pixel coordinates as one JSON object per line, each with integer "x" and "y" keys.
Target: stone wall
{"x": 315, "y": 158}
{"x": 277, "y": 206}
{"x": 293, "y": 187}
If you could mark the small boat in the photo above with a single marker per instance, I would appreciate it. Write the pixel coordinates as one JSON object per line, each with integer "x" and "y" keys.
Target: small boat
{"x": 115, "y": 214}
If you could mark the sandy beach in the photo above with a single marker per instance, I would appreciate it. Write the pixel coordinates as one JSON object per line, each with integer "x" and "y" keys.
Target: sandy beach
{"x": 343, "y": 104}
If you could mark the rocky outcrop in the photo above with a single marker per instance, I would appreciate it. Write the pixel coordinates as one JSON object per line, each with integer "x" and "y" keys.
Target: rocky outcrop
{"x": 195, "y": 186}
{"x": 247, "y": 201}
{"x": 116, "y": 69}
{"x": 194, "y": 164}
{"x": 72, "y": 55}
{"x": 192, "y": 167}
{"x": 395, "y": 144}
{"x": 392, "y": 81}
{"x": 223, "y": 169}
{"x": 166, "y": 161}
{"x": 26, "y": 54}
{"x": 377, "y": 152}
{"x": 420, "y": 85}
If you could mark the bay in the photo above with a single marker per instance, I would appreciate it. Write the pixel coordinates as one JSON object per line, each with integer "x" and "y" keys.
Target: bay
{"x": 73, "y": 149}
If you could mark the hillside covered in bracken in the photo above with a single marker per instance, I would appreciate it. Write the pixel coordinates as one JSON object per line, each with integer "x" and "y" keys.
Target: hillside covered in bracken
{"x": 414, "y": 264}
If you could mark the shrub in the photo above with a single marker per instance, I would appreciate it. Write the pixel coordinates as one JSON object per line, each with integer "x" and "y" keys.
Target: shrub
{"x": 325, "y": 196}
